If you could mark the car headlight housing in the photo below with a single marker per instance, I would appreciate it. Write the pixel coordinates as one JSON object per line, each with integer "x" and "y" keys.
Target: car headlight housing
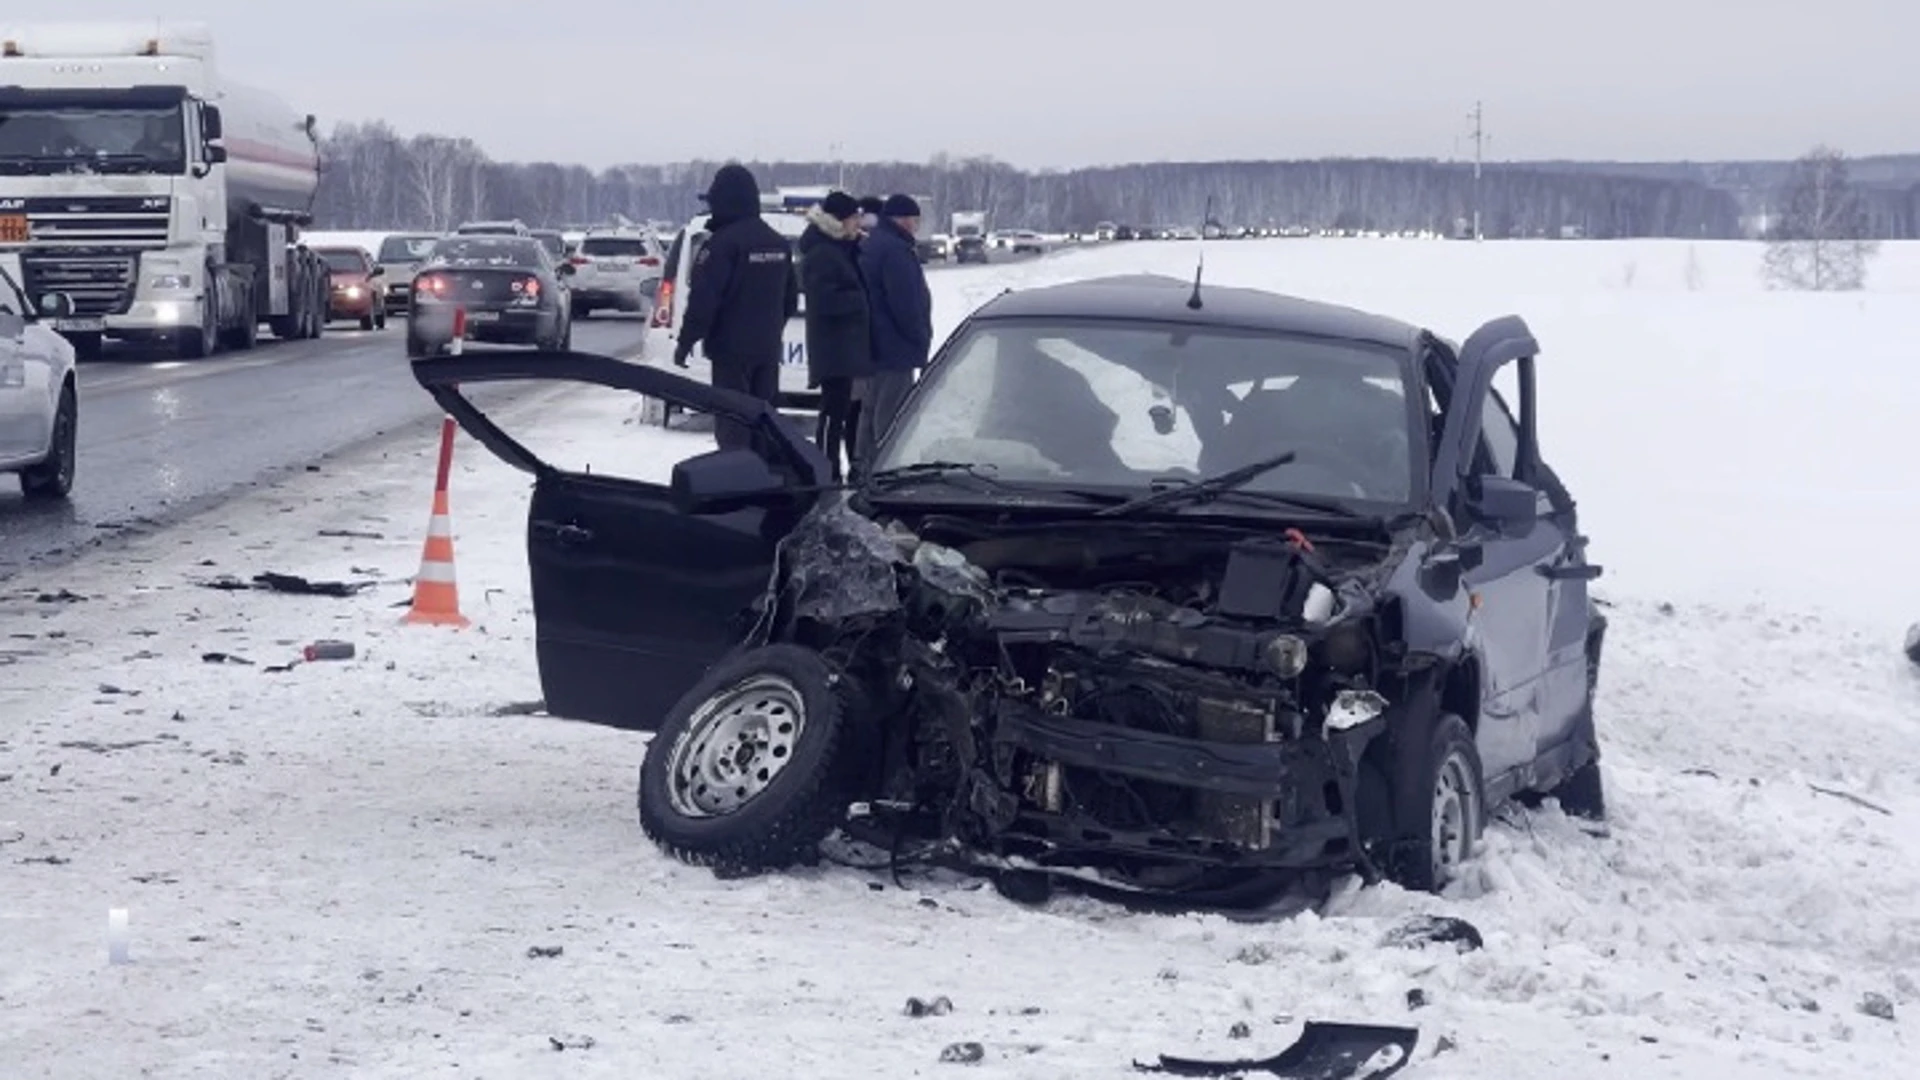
{"x": 13, "y": 374}
{"x": 170, "y": 281}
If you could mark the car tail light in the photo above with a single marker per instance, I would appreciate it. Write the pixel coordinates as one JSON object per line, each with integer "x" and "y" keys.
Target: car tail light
{"x": 528, "y": 287}
{"x": 649, "y": 260}
{"x": 663, "y": 305}
{"x": 579, "y": 260}
{"x": 432, "y": 285}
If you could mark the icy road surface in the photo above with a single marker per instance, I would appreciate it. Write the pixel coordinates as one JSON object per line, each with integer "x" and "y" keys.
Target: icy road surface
{"x": 160, "y": 437}
{"x": 378, "y": 868}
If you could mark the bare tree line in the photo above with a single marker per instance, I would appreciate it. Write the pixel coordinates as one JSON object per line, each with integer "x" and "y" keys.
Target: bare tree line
{"x": 376, "y": 179}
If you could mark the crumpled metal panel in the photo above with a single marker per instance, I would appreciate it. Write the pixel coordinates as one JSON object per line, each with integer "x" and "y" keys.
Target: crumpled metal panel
{"x": 841, "y": 565}
{"x": 947, "y": 570}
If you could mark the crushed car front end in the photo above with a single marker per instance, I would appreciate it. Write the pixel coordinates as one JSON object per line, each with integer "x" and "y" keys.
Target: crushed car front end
{"x": 1139, "y": 704}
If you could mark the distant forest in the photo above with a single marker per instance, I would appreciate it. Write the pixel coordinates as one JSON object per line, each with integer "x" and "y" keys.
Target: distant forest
{"x": 373, "y": 178}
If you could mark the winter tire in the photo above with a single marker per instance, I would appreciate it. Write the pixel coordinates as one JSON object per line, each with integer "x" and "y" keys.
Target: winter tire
{"x": 53, "y": 478}
{"x": 366, "y": 322}
{"x": 1438, "y": 803}
{"x": 1582, "y": 794}
{"x": 750, "y": 769}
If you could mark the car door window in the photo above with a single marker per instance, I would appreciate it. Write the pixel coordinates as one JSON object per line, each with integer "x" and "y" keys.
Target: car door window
{"x": 1500, "y": 437}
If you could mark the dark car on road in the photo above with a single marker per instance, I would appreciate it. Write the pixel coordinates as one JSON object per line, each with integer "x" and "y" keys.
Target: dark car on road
{"x": 1182, "y": 591}
{"x": 354, "y": 288}
{"x": 509, "y": 288}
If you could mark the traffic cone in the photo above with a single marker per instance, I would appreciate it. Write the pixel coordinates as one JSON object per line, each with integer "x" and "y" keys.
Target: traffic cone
{"x": 436, "y": 595}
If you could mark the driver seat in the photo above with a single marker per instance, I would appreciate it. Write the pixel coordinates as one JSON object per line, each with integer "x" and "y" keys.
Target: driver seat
{"x": 1319, "y": 409}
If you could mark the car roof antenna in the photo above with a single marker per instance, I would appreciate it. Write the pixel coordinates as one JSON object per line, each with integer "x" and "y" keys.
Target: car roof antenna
{"x": 1193, "y": 302}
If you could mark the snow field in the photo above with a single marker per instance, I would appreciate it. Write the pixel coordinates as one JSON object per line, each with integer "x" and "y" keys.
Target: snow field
{"x": 340, "y": 869}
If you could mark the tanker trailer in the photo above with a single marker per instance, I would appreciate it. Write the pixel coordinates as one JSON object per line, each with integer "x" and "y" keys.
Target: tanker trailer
{"x": 163, "y": 200}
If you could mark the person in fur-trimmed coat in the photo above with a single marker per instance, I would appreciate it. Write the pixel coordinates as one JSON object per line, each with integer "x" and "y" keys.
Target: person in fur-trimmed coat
{"x": 839, "y": 331}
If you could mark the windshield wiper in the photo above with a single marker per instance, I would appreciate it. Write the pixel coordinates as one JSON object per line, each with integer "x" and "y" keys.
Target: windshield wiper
{"x": 1220, "y": 484}
{"x": 981, "y": 474}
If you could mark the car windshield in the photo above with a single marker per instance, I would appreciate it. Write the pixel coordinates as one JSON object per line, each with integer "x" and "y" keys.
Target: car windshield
{"x": 555, "y": 244}
{"x": 1128, "y": 406}
{"x": 515, "y": 251}
{"x": 631, "y": 247}
{"x": 399, "y": 249}
{"x": 340, "y": 261}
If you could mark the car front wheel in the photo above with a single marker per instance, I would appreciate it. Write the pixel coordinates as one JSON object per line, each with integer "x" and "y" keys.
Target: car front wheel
{"x": 53, "y": 478}
{"x": 749, "y": 771}
{"x": 1437, "y": 803}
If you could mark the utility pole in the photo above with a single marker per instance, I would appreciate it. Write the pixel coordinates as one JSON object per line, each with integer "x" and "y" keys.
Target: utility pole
{"x": 1479, "y": 153}
{"x": 840, "y": 164}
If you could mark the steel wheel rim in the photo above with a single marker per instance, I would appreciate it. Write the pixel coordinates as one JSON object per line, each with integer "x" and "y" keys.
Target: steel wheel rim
{"x": 736, "y": 744}
{"x": 1454, "y": 813}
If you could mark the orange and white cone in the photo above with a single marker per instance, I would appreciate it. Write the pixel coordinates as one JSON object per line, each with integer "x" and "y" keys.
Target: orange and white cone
{"x": 436, "y": 593}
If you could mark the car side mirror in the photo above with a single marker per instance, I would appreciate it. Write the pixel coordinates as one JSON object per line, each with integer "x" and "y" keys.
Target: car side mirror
{"x": 56, "y": 305}
{"x": 12, "y": 326}
{"x": 210, "y": 125}
{"x": 1503, "y": 502}
{"x": 723, "y": 481}
{"x": 565, "y": 269}
{"x": 216, "y": 155}
{"x": 378, "y": 271}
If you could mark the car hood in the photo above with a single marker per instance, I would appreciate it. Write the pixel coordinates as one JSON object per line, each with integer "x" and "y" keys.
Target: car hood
{"x": 349, "y": 277}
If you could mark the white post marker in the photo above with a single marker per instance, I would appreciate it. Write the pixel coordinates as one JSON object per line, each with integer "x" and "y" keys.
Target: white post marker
{"x": 117, "y": 935}
{"x": 458, "y": 345}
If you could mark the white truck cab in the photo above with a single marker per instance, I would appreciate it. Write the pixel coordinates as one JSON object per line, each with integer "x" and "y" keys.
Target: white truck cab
{"x": 785, "y": 210}
{"x": 163, "y": 200}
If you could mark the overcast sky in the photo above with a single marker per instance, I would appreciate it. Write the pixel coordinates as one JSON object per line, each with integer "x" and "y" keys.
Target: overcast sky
{"x": 1061, "y": 83}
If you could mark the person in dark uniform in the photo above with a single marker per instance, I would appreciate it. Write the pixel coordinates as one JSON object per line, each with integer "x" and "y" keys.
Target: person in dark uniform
{"x": 902, "y": 318}
{"x": 741, "y": 293}
{"x": 839, "y": 345}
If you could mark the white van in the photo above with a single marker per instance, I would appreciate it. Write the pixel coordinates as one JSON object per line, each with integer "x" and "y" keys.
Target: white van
{"x": 787, "y": 213}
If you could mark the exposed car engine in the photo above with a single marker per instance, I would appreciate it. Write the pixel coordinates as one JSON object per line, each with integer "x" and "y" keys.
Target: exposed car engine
{"x": 1139, "y": 697}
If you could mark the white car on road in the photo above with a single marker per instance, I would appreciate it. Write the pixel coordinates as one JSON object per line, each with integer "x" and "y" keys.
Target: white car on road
{"x": 788, "y": 216}
{"x": 614, "y": 268}
{"x": 39, "y": 392}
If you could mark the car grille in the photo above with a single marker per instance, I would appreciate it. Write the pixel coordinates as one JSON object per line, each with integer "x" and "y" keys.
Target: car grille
{"x": 98, "y": 284}
{"x": 120, "y": 222}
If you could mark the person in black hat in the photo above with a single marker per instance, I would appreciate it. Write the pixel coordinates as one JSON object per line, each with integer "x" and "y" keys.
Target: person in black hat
{"x": 902, "y": 317}
{"x": 741, "y": 293}
{"x": 839, "y": 346}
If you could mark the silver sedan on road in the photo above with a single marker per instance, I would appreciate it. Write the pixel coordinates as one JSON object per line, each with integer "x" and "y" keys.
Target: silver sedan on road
{"x": 39, "y": 392}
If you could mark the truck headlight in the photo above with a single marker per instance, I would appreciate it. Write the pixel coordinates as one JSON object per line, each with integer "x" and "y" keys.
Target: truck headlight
{"x": 170, "y": 281}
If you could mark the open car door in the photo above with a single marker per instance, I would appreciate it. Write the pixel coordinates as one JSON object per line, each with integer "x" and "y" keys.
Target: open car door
{"x": 639, "y": 587}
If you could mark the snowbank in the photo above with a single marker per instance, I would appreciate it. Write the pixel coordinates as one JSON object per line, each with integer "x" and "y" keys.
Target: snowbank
{"x": 342, "y": 868}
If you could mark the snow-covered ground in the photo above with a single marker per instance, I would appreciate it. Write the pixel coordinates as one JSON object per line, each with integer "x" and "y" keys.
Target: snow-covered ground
{"x": 346, "y": 868}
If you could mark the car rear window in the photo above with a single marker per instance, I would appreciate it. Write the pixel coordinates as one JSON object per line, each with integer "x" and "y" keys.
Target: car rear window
{"x": 613, "y": 245}
{"x": 405, "y": 248}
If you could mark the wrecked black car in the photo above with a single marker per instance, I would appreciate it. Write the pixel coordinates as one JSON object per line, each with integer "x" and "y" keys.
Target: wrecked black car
{"x": 1181, "y": 591}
